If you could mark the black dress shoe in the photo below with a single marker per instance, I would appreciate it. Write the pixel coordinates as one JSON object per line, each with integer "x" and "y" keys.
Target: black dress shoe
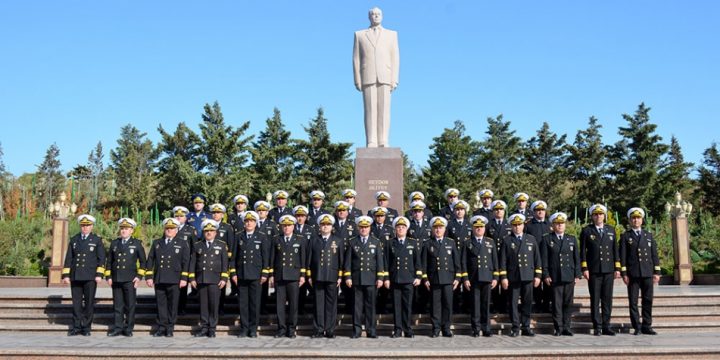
{"x": 396, "y": 334}
{"x": 279, "y": 334}
{"x": 649, "y": 331}
{"x": 637, "y": 332}
{"x": 211, "y": 334}
{"x": 487, "y": 333}
{"x": 528, "y": 332}
{"x": 86, "y": 333}
{"x": 514, "y": 333}
{"x": 597, "y": 332}
{"x": 475, "y": 333}
{"x": 355, "y": 336}
{"x": 372, "y": 335}
{"x": 253, "y": 335}
{"x": 201, "y": 333}
{"x": 435, "y": 334}
{"x": 291, "y": 334}
{"x": 567, "y": 332}
{"x": 242, "y": 334}
{"x": 73, "y": 332}
{"x": 608, "y": 332}
{"x": 127, "y": 333}
{"x": 330, "y": 335}
{"x": 409, "y": 334}
{"x": 169, "y": 333}
{"x": 447, "y": 333}
{"x": 115, "y": 332}
{"x": 158, "y": 333}
{"x": 557, "y": 333}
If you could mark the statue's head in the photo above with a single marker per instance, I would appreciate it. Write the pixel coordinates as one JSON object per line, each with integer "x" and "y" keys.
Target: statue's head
{"x": 375, "y": 16}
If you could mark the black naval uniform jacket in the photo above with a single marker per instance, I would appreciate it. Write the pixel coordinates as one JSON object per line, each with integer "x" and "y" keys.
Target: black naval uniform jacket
{"x": 209, "y": 265}
{"x": 268, "y": 227}
{"x": 599, "y": 254}
{"x": 308, "y": 230}
{"x": 364, "y": 263}
{"x": 313, "y": 216}
{"x": 421, "y": 232}
{"x": 404, "y": 262}
{"x": 487, "y": 213}
{"x": 354, "y": 213}
{"x": 520, "y": 259}
{"x": 187, "y": 233}
{"x": 561, "y": 259}
{"x": 526, "y": 211}
{"x": 125, "y": 262}
{"x": 442, "y": 261}
{"x": 427, "y": 214}
{"x": 459, "y": 232}
{"x": 346, "y": 232}
{"x": 287, "y": 259}
{"x": 168, "y": 263}
{"x": 638, "y": 255}
{"x": 275, "y": 213}
{"x": 538, "y": 229}
{"x": 325, "y": 258}
{"x": 384, "y": 233}
{"x": 226, "y": 234}
{"x": 84, "y": 259}
{"x": 480, "y": 260}
{"x": 389, "y": 217}
{"x": 251, "y": 259}
{"x": 498, "y": 231}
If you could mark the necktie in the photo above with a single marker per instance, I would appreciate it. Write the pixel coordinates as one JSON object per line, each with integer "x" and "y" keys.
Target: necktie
{"x": 84, "y": 237}
{"x": 637, "y": 233}
{"x": 167, "y": 241}
{"x": 287, "y": 239}
{"x": 402, "y": 242}
{"x": 325, "y": 239}
{"x": 600, "y": 231}
{"x": 364, "y": 240}
{"x": 560, "y": 237}
{"x": 124, "y": 242}
{"x": 207, "y": 244}
{"x": 342, "y": 223}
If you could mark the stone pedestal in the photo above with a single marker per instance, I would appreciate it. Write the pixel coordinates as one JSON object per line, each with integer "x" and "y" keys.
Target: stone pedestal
{"x": 379, "y": 169}
{"x": 59, "y": 247}
{"x": 682, "y": 273}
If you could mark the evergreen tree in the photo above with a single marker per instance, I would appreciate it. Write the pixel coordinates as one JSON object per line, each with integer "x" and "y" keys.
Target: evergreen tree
{"x": 411, "y": 178}
{"x": 133, "y": 161}
{"x": 636, "y": 163}
{"x": 675, "y": 174}
{"x": 50, "y": 179}
{"x": 274, "y": 156}
{"x": 709, "y": 180}
{"x": 322, "y": 165}
{"x": 224, "y": 154}
{"x": 545, "y": 156}
{"x": 587, "y": 166}
{"x": 3, "y": 184}
{"x": 97, "y": 169}
{"x": 179, "y": 166}
{"x": 500, "y": 160}
{"x": 450, "y": 165}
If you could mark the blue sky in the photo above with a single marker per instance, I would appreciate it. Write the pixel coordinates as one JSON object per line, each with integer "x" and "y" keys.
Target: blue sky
{"x": 74, "y": 72}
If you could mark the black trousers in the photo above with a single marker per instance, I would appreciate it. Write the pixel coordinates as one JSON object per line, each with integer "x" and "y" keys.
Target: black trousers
{"x": 124, "y": 295}
{"x": 422, "y": 300}
{"x": 167, "y": 297}
{"x": 209, "y": 295}
{"x": 348, "y": 295}
{"x": 480, "y": 314}
{"x": 563, "y": 294}
{"x": 305, "y": 295}
{"x": 643, "y": 286}
{"x": 264, "y": 297}
{"x": 402, "y": 306}
{"x": 364, "y": 310}
{"x": 183, "y": 295}
{"x": 520, "y": 314}
{"x": 383, "y": 299}
{"x": 326, "y": 296}
{"x": 287, "y": 291}
{"x": 601, "y": 297}
{"x": 83, "y": 299}
{"x": 442, "y": 306}
{"x": 543, "y": 297}
{"x": 249, "y": 304}
{"x": 500, "y": 300}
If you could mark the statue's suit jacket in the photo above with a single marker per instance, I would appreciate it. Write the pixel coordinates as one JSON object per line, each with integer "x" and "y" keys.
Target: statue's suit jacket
{"x": 376, "y": 60}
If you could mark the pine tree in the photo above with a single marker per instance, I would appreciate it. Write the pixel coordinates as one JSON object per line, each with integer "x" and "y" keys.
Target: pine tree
{"x": 636, "y": 163}
{"x": 50, "y": 179}
{"x": 500, "y": 160}
{"x": 675, "y": 173}
{"x": 3, "y": 184}
{"x": 322, "y": 165}
{"x": 224, "y": 152}
{"x": 411, "y": 178}
{"x": 587, "y": 166}
{"x": 545, "y": 156}
{"x": 709, "y": 180}
{"x": 133, "y": 162}
{"x": 97, "y": 170}
{"x": 450, "y": 165}
{"x": 179, "y": 166}
{"x": 274, "y": 157}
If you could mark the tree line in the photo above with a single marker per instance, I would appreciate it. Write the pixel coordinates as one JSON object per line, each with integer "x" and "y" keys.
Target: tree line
{"x": 222, "y": 160}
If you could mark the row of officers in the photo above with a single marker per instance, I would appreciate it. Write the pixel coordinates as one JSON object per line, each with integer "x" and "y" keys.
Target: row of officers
{"x": 495, "y": 261}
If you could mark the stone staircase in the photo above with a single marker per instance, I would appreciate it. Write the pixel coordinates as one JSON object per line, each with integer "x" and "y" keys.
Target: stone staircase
{"x": 49, "y": 310}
